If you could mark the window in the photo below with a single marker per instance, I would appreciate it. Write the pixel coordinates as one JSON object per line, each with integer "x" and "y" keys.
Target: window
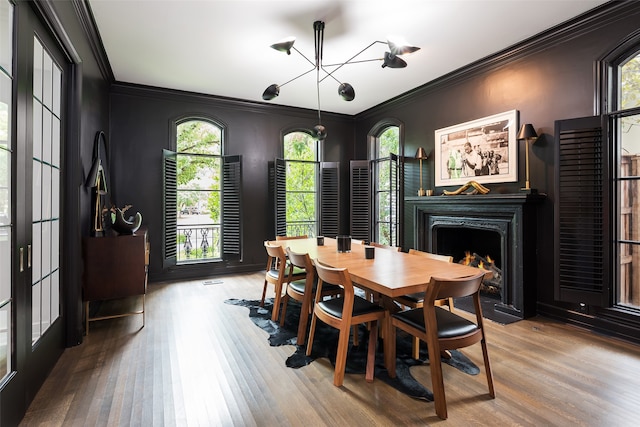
{"x": 626, "y": 131}
{"x": 386, "y": 186}
{"x": 301, "y": 176}
{"x": 202, "y": 196}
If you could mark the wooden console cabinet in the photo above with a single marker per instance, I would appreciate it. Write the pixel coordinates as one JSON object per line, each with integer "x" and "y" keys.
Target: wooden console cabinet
{"x": 115, "y": 267}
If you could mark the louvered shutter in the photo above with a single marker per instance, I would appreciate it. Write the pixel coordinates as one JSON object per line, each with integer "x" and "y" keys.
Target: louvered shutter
{"x": 582, "y": 212}
{"x": 360, "y": 219}
{"x": 170, "y": 208}
{"x": 329, "y": 198}
{"x": 280, "y": 197}
{"x": 231, "y": 207}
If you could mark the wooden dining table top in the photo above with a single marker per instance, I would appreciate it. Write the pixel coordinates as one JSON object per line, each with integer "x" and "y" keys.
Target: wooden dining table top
{"x": 389, "y": 273}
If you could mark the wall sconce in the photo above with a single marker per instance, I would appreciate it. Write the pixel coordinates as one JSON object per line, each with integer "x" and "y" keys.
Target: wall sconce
{"x": 422, "y": 155}
{"x": 528, "y": 133}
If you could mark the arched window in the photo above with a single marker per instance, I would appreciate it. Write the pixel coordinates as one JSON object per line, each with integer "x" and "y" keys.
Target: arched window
{"x": 386, "y": 186}
{"x": 625, "y": 121}
{"x": 202, "y": 195}
{"x": 302, "y": 172}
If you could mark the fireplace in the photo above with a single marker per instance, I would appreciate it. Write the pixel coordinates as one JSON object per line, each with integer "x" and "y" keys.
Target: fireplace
{"x": 502, "y": 226}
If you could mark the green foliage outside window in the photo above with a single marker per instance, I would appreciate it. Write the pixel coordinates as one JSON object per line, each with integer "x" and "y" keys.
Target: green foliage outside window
{"x": 300, "y": 152}
{"x": 199, "y": 176}
{"x": 630, "y": 90}
{"x": 199, "y": 168}
{"x": 388, "y": 142}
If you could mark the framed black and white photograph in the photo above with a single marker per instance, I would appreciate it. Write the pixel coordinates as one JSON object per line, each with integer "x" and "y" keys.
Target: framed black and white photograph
{"x": 483, "y": 150}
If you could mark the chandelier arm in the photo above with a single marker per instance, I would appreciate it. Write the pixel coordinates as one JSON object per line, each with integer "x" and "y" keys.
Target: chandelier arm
{"x": 297, "y": 77}
{"x": 330, "y": 74}
{"x": 304, "y": 56}
{"x": 348, "y": 61}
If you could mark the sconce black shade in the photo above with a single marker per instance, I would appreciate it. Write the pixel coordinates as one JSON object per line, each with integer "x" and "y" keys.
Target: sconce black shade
{"x": 421, "y": 154}
{"x": 392, "y": 61}
{"x": 271, "y": 92}
{"x": 527, "y": 132}
{"x": 284, "y": 45}
{"x": 346, "y": 92}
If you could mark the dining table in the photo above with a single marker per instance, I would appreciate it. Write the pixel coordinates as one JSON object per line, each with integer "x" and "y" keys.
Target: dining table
{"x": 389, "y": 273}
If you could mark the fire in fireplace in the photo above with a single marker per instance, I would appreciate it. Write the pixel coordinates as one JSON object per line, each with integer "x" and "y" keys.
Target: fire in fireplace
{"x": 493, "y": 285}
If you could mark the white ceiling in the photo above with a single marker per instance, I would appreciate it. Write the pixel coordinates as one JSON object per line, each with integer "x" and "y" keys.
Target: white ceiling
{"x": 221, "y": 47}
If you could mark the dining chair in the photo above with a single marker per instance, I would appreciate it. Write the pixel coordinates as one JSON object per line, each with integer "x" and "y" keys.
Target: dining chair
{"x": 416, "y": 300}
{"x": 297, "y": 270}
{"x": 343, "y": 312}
{"x": 442, "y": 330}
{"x": 304, "y": 291}
{"x": 277, "y": 275}
{"x": 370, "y": 296}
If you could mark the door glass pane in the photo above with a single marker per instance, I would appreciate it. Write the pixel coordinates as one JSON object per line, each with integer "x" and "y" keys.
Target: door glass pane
{"x": 46, "y": 190}
{"x": 5, "y": 264}
{"x": 37, "y": 131}
{"x": 57, "y": 81}
{"x": 55, "y": 295}
{"x": 47, "y": 77}
{"x": 37, "y": 190}
{"x": 36, "y": 252}
{"x": 55, "y": 141}
{"x": 46, "y": 248}
{"x": 35, "y": 312}
{"x": 46, "y": 136}
{"x": 37, "y": 69}
{"x": 6, "y": 38}
{"x": 6, "y": 148}
{"x": 46, "y": 304}
{"x": 5, "y": 339}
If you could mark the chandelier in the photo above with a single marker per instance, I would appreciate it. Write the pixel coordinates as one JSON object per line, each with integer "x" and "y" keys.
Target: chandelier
{"x": 391, "y": 59}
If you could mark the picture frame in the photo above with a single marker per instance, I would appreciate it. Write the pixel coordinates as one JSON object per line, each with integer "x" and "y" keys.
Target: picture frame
{"x": 483, "y": 150}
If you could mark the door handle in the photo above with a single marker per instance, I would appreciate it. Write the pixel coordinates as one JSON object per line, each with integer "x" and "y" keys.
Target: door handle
{"x": 28, "y": 256}
{"x": 21, "y": 260}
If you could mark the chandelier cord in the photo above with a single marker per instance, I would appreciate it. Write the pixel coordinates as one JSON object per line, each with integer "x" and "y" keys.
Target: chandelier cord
{"x": 319, "y": 42}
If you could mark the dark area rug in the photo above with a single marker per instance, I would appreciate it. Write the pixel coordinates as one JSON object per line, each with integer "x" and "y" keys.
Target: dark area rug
{"x": 326, "y": 342}
{"x": 488, "y": 309}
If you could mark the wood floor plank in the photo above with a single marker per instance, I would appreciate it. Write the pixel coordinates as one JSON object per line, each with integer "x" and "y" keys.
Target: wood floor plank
{"x": 199, "y": 361}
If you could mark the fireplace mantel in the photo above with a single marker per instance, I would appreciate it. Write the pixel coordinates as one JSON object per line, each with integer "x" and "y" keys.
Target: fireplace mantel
{"x": 514, "y": 215}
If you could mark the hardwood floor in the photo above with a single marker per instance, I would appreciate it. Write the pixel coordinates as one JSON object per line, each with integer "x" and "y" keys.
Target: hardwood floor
{"x": 200, "y": 362}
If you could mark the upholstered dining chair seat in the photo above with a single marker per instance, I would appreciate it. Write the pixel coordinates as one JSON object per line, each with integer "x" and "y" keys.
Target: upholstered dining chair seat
{"x": 361, "y": 306}
{"x": 449, "y": 324}
{"x": 299, "y": 286}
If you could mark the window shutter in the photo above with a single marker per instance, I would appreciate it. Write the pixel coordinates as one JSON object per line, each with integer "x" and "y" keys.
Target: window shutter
{"x": 329, "y": 198}
{"x": 280, "y": 197}
{"x": 231, "y": 207}
{"x": 360, "y": 200}
{"x": 170, "y": 208}
{"x": 581, "y": 212}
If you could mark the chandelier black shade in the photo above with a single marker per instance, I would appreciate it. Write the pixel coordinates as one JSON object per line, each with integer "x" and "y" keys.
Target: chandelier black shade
{"x": 391, "y": 59}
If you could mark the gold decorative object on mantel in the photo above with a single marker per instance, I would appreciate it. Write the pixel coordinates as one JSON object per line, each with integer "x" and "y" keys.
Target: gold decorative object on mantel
{"x": 477, "y": 189}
